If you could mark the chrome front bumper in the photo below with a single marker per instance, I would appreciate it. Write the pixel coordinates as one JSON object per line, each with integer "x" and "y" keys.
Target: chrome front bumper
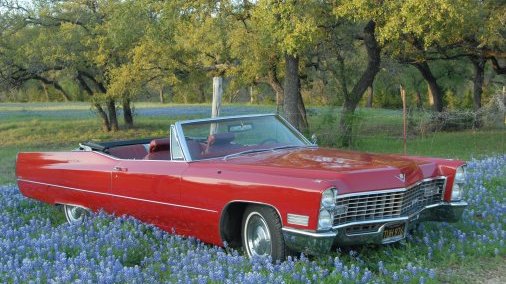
{"x": 322, "y": 242}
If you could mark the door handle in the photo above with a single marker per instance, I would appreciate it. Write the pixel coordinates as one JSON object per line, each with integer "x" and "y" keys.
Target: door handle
{"x": 120, "y": 169}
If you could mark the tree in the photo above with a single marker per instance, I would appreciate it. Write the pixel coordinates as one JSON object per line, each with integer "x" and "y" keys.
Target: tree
{"x": 419, "y": 31}
{"x": 60, "y": 39}
{"x": 274, "y": 34}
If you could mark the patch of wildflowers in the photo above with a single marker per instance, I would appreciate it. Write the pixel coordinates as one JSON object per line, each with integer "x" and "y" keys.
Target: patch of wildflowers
{"x": 36, "y": 247}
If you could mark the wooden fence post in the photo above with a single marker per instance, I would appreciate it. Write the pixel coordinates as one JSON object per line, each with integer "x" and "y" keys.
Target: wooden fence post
{"x": 403, "y": 97}
{"x": 216, "y": 104}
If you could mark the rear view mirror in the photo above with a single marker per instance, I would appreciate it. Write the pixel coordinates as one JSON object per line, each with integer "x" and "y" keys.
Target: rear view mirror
{"x": 314, "y": 139}
{"x": 240, "y": 127}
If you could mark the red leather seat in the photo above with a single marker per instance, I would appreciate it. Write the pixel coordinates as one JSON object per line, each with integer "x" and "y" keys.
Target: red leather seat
{"x": 195, "y": 149}
{"x": 137, "y": 151}
{"x": 220, "y": 138}
{"x": 159, "y": 149}
{"x": 219, "y": 144}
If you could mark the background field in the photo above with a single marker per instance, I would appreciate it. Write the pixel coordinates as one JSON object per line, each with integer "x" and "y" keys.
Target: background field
{"x": 58, "y": 126}
{"x": 469, "y": 251}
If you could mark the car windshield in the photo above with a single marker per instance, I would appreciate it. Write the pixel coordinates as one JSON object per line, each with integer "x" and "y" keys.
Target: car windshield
{"x": 236, "y": 136}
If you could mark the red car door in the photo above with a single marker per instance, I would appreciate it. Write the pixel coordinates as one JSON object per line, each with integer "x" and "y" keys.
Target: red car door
{"x": 150, "y": 191}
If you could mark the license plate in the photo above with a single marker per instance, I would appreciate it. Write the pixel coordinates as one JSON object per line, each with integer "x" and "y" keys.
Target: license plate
{"x": 393, "y": 233}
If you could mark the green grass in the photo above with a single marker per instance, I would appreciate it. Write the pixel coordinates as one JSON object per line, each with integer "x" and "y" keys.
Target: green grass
{"x": 381, "y": 131}
{"x": 35, "y": 127}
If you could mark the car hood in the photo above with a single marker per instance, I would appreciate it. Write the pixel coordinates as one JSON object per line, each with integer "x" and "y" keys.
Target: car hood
{"x": 347, "y": 170}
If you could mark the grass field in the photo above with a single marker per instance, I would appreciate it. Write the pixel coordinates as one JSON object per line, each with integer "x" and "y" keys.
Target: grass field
{"x": 53, "y": 126}
{"x": 37, "y": 245}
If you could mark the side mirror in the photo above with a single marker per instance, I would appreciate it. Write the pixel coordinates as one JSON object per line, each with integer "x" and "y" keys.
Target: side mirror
{"x": 314, "y": 139}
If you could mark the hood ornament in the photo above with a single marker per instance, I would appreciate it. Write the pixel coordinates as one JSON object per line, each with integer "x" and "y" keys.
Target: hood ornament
{"x": 401, "y": 177}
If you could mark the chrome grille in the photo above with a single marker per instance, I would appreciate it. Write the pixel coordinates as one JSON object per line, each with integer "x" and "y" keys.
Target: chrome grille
{"x": 389, "y": 204}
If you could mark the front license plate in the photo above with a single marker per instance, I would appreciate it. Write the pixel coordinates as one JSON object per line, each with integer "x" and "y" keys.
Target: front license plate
{"x": 393, "y": 233}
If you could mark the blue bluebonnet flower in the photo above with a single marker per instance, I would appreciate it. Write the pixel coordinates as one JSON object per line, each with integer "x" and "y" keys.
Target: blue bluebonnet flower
{"x": 36, "y": 248}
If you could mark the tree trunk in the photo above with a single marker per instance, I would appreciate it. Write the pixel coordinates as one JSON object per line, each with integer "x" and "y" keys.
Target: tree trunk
{"x": 106, "y": 125}
{"x": 162, "y": 99}
{"x": 57, "y": 86}
{"x": 202, "y": 94}
{"x": 346, "y": 124}
{"x": 479, "y": 75}
{"x": 127, "y": 113}
{"x": 44, "y": 86}
{"x": 435, "y": 89}
{"x": 113, "y": 119}
{"x": 352, "y": 99}
{"x": 430, "y": 96}
{"x": 370, "y": 94}
{"x": 303, "y": 115}
{"x": 277, "y": 87}
{"x": 252, "y": 98}
{"x": 293, "y": 105}
{"x": 419, "y": 102}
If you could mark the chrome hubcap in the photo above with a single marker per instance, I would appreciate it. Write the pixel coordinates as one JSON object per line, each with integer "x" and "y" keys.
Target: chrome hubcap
{"x": 258, "y": 237}
{"x": 74, "y": 214}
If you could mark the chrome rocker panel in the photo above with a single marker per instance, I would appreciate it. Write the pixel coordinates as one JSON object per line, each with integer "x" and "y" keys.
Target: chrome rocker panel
{"x": 322, "y": 242}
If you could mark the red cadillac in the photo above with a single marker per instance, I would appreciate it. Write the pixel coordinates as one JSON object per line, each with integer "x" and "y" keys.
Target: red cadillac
{"x": 252, "y": 181}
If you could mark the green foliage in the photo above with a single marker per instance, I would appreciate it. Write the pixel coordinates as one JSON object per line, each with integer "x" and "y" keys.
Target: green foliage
{"x": 128, "y": 49}
{"x": 291, "y": 25}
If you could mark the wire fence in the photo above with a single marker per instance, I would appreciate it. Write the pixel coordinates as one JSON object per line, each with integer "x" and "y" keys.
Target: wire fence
{"x": 462, "y": 133}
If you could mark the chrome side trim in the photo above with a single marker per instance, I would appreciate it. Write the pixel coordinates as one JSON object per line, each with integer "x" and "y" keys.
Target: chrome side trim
{"x": 119, "y": 196}
{"x": 119, "y": 159}
{"x": 297, "y": 132}
{"x": 182, "y": 141}
{"x": 173, "y": 133}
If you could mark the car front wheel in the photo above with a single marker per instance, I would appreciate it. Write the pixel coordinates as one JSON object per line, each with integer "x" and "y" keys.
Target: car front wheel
{"x": 261, "y": 233}
{"x": 74, "y": 214}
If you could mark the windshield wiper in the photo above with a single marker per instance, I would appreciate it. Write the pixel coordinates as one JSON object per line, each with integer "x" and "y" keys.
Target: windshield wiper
{"x": 265, "y": 150}
{"x": 291, "y": 146}
{"x": 245, "y": 152}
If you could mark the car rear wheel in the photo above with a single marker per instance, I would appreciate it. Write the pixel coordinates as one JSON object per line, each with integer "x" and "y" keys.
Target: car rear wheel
{"x": 261, "y": 233}
{"x": 75, "y": 214}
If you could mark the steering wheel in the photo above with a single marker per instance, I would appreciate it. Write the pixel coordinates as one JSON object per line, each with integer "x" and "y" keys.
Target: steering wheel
{"x": 268, "y": 141}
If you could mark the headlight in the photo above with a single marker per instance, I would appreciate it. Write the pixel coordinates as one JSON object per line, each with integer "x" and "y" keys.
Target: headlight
{"x": 324, "y": 220}
{"x": 456, "y": 192}
{"x": 329, "y": 199}
{"x": 460, "y": 175}
{"x": 327, "y": 207}
{"x": 458, "y": 183}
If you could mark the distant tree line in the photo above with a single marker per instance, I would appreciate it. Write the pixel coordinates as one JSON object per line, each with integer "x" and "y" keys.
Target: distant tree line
{"x": 322, "y": 52}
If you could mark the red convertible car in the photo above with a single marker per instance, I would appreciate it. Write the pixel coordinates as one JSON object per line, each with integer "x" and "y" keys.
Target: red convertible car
{"x": 252, "y": 181}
